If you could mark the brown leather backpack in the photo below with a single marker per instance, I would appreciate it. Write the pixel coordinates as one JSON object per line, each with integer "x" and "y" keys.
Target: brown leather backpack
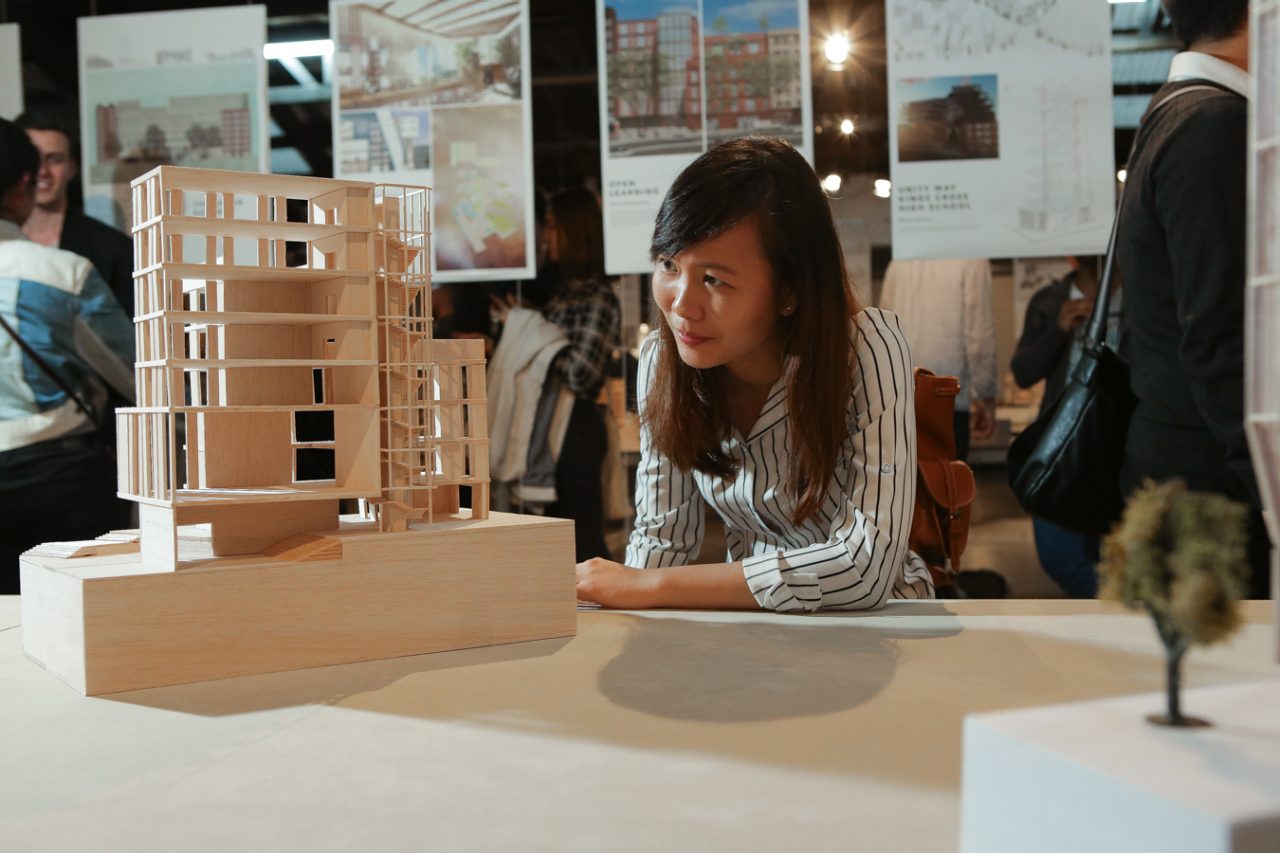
{"x": 946, "y": 488}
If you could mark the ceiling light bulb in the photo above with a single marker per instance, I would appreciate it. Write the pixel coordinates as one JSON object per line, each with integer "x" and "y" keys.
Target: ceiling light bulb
{"x": 831, "y": 183}
{"x": 846, "y": 126}
{"x": 882, "y": 188}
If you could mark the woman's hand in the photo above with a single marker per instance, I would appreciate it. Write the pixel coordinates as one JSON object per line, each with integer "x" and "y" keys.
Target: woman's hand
{"x": 614, "y": 585}
{"x": 500, "y": 307}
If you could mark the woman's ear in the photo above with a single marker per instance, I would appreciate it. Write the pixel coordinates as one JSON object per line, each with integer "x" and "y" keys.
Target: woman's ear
{"x": 787, "y": 302}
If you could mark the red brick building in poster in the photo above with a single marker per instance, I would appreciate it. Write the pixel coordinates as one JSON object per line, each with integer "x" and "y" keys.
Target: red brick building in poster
{"x": 753, "y": 79}
{"x": 654, "y": 70}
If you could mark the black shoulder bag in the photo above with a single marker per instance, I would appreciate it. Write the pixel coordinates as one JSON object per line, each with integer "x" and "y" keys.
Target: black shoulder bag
{"x": 1065, "y": 466}
{"x": 95, "y": 418}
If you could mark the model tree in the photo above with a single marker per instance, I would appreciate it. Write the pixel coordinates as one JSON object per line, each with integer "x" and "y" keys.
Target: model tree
{"x": 1180, "y": 555}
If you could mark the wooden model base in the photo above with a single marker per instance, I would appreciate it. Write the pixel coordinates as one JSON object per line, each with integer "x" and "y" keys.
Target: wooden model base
{"x": 105, "y": 624}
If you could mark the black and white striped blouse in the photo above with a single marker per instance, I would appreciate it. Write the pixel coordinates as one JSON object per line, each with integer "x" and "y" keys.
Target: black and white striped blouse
{"x": 852, "y": 554}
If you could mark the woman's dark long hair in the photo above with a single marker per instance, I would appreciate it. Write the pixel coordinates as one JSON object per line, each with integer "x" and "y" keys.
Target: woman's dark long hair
{"x": 575, "y": 215}
{"x": 765, "y": 180}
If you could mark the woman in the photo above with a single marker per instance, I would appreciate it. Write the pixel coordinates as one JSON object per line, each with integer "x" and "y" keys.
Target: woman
{"x": 584, "y": 307}
{"x": 1050, "y": 346}
{"x": 761, "y": 398}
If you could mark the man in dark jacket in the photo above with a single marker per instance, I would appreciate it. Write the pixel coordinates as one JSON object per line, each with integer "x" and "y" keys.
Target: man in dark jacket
{"x": 55, "y": 223}
{"x": 1181, "y": 251}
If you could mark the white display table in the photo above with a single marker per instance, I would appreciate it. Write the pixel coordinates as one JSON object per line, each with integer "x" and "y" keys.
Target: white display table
{"x": 656, "y": 731}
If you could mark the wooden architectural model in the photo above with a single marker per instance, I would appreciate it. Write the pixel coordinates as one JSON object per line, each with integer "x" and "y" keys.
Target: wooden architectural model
{"x": 286, "y": 364}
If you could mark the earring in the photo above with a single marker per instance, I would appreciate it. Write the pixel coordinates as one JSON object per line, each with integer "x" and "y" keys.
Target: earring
{"x": 787, "y": 310}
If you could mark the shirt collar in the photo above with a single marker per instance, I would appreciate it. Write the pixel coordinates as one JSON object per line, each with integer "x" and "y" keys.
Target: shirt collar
{"x": 1193, "y": 65}
{"x": 774, "y": 410}
{"x": 11, "y": 230}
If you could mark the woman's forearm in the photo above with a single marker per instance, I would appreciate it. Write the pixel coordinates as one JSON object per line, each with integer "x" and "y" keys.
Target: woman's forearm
{"x": 702, "y": 587}
{"x": 708, "y": 586}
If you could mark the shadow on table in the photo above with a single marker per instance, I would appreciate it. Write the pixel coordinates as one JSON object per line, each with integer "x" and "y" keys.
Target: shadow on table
{"x": 757, "y": 671}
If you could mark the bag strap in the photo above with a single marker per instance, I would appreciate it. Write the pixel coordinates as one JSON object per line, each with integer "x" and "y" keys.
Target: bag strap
{"x": 1096, "y": 330}
{"x": 48, "y": 371}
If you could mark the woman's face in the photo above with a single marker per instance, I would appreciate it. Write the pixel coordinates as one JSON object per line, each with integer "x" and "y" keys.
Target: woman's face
{"x": 719, "y": 300}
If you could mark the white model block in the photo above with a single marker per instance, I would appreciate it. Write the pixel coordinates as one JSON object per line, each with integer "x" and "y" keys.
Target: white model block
{"x": 1096, "y": 777}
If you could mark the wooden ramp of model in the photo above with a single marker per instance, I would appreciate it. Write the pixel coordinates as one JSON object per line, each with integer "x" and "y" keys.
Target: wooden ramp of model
{"x": 285, "y": 366}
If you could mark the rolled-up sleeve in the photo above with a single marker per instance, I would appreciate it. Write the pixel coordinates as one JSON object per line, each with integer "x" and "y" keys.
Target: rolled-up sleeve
{"x": 868, "y": 513}
{"x": 670, "y": 511}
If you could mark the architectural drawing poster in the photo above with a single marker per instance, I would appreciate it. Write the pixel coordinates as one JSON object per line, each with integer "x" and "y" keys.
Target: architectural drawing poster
{"x": 1000, "y": 127}
{"x": 10, "y": 71}
{"x": 678, "y": 77}
{"x": 186, "y": 88}
{"x": 433, "y": 93}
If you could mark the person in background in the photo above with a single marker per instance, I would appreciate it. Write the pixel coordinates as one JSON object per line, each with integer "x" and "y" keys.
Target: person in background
{"x": 461, "y": 311}
{"x": 582, "y": 304}
{"x": 1181, "y": 253}
{"x": 945, "y": 310}
{"x": 1049, "y": 347}
{"x": 768, "y": 395}
{"x": 57, "y": 483}
{"x": 55, "y": 223}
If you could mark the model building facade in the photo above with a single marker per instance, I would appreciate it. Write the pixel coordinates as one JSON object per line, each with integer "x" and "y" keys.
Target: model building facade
{"x": 285, "y": 363}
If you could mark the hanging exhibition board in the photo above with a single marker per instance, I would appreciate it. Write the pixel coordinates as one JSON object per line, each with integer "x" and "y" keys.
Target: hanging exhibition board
{"x": 10, "y": 71}
{"x": 1000, "y": 128}
{"x": 678, "y": 77}
{"x": 186, "y": 88}
{"x": 436, "y": 93}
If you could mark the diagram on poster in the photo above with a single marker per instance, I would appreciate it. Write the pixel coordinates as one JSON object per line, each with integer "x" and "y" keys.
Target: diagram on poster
{"x": 679, "y": 77}
{"x": 435, "y": 93}
{"x": 185, "y": 88}
{"x": 1000, "y": 127}
{"x": 10, "y": 71}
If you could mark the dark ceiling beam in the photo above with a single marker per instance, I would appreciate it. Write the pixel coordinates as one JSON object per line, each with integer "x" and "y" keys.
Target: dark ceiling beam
{"x": 308, "y": 129}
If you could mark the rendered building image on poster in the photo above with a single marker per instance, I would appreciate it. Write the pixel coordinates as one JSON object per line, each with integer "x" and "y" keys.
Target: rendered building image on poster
{"x": 656, "y": 54}
{"x": 678, "y": 77}
{"x": 413, "y": 80}
{"x": 948, "y": 118}
{"x": 384, "y": 60}
{"x": 655, "y": 97}
{"x": 185, "y": 88}
{"x": 752, "y": 62}
{"x": 141, "y": 120}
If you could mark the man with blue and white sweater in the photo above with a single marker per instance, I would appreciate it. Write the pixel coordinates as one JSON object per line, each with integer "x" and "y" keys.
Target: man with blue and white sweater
{"x": 56, "y": 482}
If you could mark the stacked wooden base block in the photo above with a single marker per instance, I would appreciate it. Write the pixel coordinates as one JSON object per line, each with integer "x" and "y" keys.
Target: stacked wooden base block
{"x": 107, "y": 624}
